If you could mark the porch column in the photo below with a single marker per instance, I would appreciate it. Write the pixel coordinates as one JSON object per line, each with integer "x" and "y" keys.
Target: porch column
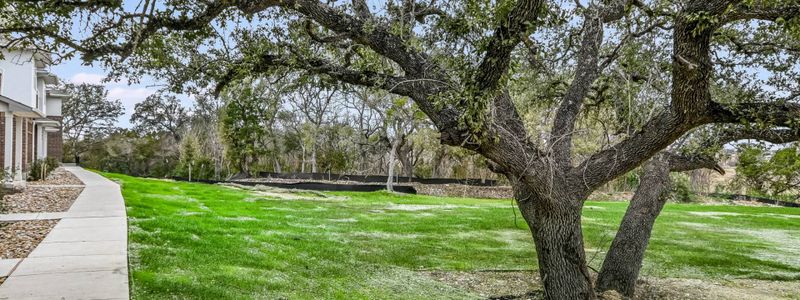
{"x": 18, "y": 150}
{"x": 44, "y": 143}
{"x": 39, "y": 132}
{"x": 8, "y": 147}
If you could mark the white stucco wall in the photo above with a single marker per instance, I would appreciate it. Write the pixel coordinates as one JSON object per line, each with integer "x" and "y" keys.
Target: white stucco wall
{"x": 53, "y": 107}
{"x": 42, "y": 90}
{"x": 18, "y": 76}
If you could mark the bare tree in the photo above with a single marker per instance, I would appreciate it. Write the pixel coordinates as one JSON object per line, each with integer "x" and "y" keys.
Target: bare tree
{"x": 316, "y": 102}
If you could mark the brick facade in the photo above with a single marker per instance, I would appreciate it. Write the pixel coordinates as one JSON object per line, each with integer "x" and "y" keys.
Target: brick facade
{"x": 2, "y": 139}
{"x": 55, "y": 141}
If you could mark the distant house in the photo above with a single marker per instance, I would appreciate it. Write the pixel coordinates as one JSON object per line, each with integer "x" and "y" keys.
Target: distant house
{"x": 30, "y": 112}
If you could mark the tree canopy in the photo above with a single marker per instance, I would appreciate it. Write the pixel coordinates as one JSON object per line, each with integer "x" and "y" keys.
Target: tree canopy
{"x": 87, "y": 112}
{"x": 560, "y": 97}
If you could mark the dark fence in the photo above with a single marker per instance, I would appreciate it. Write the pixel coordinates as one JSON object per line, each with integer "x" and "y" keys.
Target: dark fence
{"x": 377, "y": 178}
{"x": 314, "y": 186}
{"x": 756, "y": 199}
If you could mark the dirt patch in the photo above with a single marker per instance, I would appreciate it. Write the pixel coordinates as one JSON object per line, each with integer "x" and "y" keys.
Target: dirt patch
{"x": 40, "y": 199}
{"x": 18, "y": 239}
{"x": 526, "y": 285}
{"x": 736, "y": 289}
{"x": 59, "y": 176}
{"x": 492, "y": 284}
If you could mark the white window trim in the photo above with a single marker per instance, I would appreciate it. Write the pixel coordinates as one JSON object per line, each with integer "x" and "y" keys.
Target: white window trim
{"x": 2, "y": 78}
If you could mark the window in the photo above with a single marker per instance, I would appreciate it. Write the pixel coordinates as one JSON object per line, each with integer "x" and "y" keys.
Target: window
{"x": 1, "y": 82}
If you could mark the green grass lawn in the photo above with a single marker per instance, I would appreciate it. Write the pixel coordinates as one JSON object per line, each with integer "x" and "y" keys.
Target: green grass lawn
{"x": 204, "y": 241}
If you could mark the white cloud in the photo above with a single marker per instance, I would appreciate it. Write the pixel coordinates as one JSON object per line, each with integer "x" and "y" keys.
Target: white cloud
{"x": 87, "y": 78}
{"x": 129, "y": 95}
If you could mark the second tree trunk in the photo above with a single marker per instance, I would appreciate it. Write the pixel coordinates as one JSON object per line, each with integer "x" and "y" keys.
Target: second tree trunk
{"x": 624, "y": 259}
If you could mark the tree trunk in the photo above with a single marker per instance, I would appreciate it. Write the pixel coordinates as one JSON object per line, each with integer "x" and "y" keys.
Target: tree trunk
{"x": 314, "y": 159}
{"x": 390, "y": 177}
{"x": 244, "y": 167}
{"x": 217, "y": 168}
{"x": 303, "y": 160}
{"x": 624, "y": 259}
{"x": 555, "y": 222}
{"x": 436, "y": 163}
{"x": 277, "y": 165}
{"x": 404, "y": 155}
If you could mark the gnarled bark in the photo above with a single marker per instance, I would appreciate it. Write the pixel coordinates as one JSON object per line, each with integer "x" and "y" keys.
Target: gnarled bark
{"x": 555, "y": 222}
{"x": 624, "y": 259}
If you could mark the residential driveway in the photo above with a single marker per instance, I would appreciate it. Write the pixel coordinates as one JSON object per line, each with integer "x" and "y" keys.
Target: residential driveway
{"x": 85, "y": 256}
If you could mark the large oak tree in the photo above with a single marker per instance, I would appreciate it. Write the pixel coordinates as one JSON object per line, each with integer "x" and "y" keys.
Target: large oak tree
{"x": 463, "y": 63}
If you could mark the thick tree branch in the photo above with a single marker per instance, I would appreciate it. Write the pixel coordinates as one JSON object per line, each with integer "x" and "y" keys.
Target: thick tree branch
{"x": 682, "y": 163}
{"x": 362, "y": 9}
{"x": 655, "y": 135}
{"x": 690, "y": 105}
{"x": 759, "y": 113}
{"x": 692, "y": 161}
{"x": 692, "y": 66}
{"x": 268, "y": 62}
{"x": 759, "y": 11}
{"x": 585, "y": 75}
{"x": 497, "y": 59}
{"x": 367, "y": 32}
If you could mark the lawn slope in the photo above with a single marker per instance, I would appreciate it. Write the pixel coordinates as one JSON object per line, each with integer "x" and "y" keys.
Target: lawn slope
{"x": 204, "y": 241}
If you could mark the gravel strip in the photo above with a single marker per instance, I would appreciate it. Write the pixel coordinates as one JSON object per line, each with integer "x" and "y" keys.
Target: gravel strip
{"x": 39, "y": 199}
{"x": 18, "y": 239}
{"x": 59, "y": 176}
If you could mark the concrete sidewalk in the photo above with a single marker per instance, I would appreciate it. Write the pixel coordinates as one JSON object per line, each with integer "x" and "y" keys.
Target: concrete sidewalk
{"x": 85, "y": 256}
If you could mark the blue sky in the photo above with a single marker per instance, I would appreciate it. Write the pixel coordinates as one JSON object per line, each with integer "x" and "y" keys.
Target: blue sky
{"x": 72, "y": 71}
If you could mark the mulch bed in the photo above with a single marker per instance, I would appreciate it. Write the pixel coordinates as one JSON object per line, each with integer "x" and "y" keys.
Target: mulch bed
{"x": 43, "y": 196}
{"x": 18, "y": 239}
{"x": 59, "y": 176}
{"x": 40, "y": 199}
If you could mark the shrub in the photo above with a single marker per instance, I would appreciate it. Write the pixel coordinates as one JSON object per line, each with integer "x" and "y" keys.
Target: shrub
{"x": 681, "y": 188}
{"x": 41, "y": 168}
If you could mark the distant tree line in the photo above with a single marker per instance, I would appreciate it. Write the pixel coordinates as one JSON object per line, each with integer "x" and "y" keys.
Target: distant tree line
{"x": 263, "y": 125}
